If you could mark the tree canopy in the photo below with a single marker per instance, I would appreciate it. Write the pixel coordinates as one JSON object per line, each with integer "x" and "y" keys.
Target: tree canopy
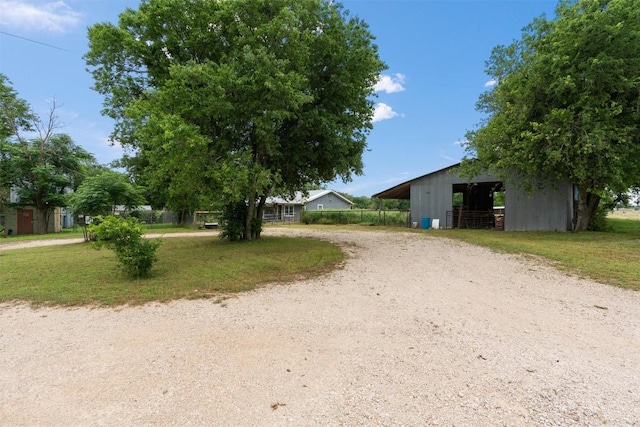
{"x": 234, "y": 101}
{"x": 15, "y": 116}
{"x": 100, "y": 194}
{"x": 41, "y": 168}
{"x": 566, "y": 105}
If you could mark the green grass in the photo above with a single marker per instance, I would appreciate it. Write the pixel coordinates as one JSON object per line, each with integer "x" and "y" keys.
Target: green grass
{"x": 69, "y": 233}
{"x": 66, "y": 233}
{"x": 193, "y": 267}
{"x": 611, "y": 257}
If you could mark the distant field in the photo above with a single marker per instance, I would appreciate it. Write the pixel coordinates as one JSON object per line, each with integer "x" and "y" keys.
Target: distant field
{"x": 626, "y": 213}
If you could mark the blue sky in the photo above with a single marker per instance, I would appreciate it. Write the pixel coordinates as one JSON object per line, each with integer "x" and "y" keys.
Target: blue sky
{"x": 435, "y": 51}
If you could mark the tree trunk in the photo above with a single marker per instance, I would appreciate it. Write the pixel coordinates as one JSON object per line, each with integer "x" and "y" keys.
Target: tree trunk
{"x": 43, "y": 222}
{"x": 181, "y": 217}
{"x": 587, "y": 206}
{"x": 251, "y": 212}
{"x": 259, "y": 213}
{"x": 593, "y": 200}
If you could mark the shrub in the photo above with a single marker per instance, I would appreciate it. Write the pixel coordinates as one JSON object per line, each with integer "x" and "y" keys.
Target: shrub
{"x": 325, "y": 221}
{"x": 400, "y": 218}
{"x": 232, "y": 221}
{"x": 135, "y": 254}
{"x": 598, "y": 221}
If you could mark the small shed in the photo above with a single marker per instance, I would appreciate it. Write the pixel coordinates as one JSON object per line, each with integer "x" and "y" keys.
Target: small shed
{"x": 285, "y": 209}
{"x": 484, "y": 202}
{"x": 26, "y": 220}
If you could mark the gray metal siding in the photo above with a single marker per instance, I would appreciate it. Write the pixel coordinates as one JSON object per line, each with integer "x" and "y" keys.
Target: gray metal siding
{"x": 545, "y": 210}
{"x": 548, "y": 209}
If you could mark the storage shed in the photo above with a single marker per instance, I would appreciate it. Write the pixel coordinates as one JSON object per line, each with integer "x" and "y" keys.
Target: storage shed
{"x": 26, "y": 220}
{"x": 484, "y": 202}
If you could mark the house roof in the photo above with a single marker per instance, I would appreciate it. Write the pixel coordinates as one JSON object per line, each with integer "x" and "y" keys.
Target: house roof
{"x": 403, "y": 191}
{"x": 301, "y": 199}
{"x": 122, "y": 208}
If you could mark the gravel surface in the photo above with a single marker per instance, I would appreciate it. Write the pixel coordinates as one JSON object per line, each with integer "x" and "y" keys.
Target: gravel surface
{"x": 412, "y": 330}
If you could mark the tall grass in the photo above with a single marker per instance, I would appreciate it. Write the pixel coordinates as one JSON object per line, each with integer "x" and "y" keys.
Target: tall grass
{"x": 193, "y": 267}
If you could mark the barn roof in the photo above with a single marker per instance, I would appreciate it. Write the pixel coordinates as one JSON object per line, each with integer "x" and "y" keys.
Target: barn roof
{"x": 403, "y": 191}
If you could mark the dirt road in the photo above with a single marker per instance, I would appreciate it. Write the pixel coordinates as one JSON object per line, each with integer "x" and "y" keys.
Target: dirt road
{"x": 411, "y": 331}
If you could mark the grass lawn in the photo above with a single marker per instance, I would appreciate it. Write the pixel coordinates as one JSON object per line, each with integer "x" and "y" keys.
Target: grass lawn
{"x": 193, "y": 267}
{"x": 611, "y": 257}
{"x": 69, "y": 233}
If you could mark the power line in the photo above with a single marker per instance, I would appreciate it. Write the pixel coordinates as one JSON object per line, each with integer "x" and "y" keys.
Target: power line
{"x": 35, "y": 41}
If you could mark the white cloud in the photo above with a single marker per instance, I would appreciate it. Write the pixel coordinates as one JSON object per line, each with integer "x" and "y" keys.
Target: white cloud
{"x": 461, "y": 142}
{"x": 54, "y": 16}
{"x": 491, "y": 82}
{"x": 383, "y": 112}
{"x": 390, "y": 84}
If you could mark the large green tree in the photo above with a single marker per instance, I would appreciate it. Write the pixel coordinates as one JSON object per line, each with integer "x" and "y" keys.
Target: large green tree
{"x": 566, "y": 104}
{"x": 38, "y": 163}
{"x": 15, "y": 116}
{"x": 231, "y": 101}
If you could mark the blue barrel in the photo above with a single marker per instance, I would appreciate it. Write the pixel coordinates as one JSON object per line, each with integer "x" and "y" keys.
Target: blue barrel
{"x": 426, "y": 223}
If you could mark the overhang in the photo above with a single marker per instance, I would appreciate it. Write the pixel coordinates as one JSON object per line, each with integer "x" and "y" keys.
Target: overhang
{"x": 403, "y": 191}
{"x": 400, "y": 191}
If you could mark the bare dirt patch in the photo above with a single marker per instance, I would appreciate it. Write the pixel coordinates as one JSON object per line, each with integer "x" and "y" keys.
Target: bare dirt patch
{"x": 411, "y": 331}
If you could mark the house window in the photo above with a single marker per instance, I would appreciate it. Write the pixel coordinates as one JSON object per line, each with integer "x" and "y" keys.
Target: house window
{"x": 320, "y": 207}
{"x": 269, "y": 214}
{"x": 288, "y": 210}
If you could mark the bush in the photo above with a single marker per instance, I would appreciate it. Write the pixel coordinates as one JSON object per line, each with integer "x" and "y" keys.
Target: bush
{"x": 233, "y": 221}
{"x": 598, "y": 221}
{"x": 124, "y": 236}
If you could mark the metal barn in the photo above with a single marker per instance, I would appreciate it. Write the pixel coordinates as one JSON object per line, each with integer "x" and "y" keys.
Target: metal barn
{"x": 456, "y": 202}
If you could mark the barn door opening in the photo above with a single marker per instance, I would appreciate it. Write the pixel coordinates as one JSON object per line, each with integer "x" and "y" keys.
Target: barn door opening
{"x": 478, "y": 205}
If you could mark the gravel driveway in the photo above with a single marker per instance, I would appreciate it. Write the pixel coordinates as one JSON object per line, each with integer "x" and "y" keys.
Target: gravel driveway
{"x": 413, "y": 330}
